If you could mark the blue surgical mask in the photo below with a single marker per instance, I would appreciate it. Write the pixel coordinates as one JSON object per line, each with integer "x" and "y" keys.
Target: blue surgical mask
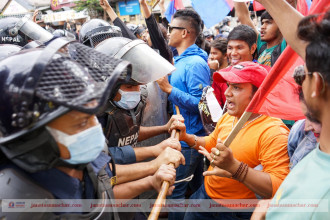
{"x": 84, "y": 147}
{"x": 129, "y": 100}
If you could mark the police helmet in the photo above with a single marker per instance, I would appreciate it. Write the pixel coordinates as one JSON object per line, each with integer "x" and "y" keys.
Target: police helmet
{"x": 8, "y": 49}
{"x": 136, "y": 29}
{"x": 63, "y": 33}
{"x": 96, "y": 30}
{"x": 33, "y": 44}
{"x": 147, "y": 64}
{"x": 46, "y": 84}
{"x": 132, "y": 27}
{"x": 9, "y": 32}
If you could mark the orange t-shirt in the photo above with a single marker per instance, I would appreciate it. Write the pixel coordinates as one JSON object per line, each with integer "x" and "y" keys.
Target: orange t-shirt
{"x": 263, "y": 141}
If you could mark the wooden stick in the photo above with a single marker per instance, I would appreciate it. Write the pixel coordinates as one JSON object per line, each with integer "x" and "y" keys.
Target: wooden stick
{"x": 244, "y": 118}
{"x": 154, "y": 5}
{"x": 160, "y": 201}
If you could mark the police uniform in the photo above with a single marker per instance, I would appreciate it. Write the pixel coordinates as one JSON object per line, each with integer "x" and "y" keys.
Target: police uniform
{"x": 122, "y": 129}
{"x": 35, "y": 93}
{"x": 54, "y": 184}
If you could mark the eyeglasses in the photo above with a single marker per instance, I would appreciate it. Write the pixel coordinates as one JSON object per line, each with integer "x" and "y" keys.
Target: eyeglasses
{"x": 299, "y": 75}
{"x": 170, "y": 28}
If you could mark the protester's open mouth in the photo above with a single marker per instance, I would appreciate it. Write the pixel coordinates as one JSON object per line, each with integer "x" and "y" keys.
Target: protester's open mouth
{"x": 262, "y": 33}
{"x": 230, "y": 105}
{"x": 317, "y": 135}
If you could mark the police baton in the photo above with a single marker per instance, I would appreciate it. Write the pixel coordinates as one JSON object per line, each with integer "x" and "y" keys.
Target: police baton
{"x": 163, "y": 190}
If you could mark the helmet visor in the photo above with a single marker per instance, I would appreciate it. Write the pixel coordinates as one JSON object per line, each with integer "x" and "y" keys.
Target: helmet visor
{"x": 83, "y": 77}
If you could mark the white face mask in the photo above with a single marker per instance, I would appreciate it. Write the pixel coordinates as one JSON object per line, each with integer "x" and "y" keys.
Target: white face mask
{"x": 84, "y": 147}
{"x": 129, "y": 100}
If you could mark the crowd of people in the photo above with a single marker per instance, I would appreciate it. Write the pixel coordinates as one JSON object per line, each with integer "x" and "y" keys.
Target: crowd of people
{"x": 86, "y": 114}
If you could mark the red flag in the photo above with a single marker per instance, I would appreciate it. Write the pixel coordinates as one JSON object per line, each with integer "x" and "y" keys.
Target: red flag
{"x": 257, "y": 6}
{"x": 178, "y": 4}
{"x": 302, "y": 7}
{"x": 277, "y": 95}
{"x": 230, "y": 3}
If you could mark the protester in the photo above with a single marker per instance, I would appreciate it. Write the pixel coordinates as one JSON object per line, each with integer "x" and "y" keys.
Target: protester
{"x": 126, "y": 32}
{"x": 304, "y": 134}
{"x": 225, "y": 28}
{"x": 209, "y": 36}
{"x": 262, "y": 140}
{"x": 241, "y": 44}
{"x": 270, "y": 43}
{"x": 185, "y": 88}
{"x": 311, "y": 173}
{"x": 218, "y": 60}
{"x": 154, "y": 35}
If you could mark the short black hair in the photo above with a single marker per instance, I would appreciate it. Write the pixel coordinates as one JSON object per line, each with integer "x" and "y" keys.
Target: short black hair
{"x": 244, "y": 33}
{"x": 266, "y": 15}
{"x": 190, "y": 16}
{"x": 220, "y": 44}
{"x": 316, "y": 31}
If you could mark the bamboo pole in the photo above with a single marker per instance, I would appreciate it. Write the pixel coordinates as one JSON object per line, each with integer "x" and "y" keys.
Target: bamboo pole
{"x": 163, "y": 190}
{"x": 244, "y": 118}
{"x": 154, "y": 5}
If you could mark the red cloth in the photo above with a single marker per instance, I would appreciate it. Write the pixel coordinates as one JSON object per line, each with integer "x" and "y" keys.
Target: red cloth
{"x": 219, "y": 92}
{"x": 302, "y": 7}
{"x": 277, "y": 95}
{"x": 230, "y": 3}
{"x": 257, "y": 6}
{"x": 178, "y": 4}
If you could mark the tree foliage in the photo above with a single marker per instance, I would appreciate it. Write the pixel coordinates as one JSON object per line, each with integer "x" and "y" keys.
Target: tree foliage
{"x": 92, "y": 6}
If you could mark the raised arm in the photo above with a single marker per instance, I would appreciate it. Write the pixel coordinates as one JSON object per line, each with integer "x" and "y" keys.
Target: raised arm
{"x": 243, "y": 14}
{"x": 145, "y": 8}
{"x": 287, "y": 18}
{"x": 156, "y": 36}
{"x": 116, "y": 21}
{"x": 108, "y": 9}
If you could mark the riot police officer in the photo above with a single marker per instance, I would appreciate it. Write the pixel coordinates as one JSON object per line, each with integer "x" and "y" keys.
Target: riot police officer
{"x": 52, "y": 145}
{"x": 124, "y": 114}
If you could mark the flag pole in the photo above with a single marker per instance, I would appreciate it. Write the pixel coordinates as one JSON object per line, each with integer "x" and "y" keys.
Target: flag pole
{"x": 154, "y": 5}
{"x": 242, "y": 120}
{"x": 163, "y": 190}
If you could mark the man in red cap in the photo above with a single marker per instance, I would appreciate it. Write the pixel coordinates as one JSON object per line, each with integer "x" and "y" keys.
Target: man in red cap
{"x": 262, "y": 140}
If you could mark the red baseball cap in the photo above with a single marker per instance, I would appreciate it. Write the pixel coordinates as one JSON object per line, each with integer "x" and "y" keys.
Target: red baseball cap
{"x": 244, "y": 72}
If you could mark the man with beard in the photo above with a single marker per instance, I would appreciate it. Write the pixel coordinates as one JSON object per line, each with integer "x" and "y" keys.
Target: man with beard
{"x": 312, "y": 173}
{"x": 304, "y": 134}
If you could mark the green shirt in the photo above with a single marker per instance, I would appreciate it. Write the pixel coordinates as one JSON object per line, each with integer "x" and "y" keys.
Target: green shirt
{"x": 265, "y": 57}
{"x": 305, "y": 192}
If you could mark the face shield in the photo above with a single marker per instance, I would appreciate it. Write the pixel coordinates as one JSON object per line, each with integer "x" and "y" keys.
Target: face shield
{"x": 49, "y": 82}
{"x": 32, "y": 30}
{"x": 147, "y": 64}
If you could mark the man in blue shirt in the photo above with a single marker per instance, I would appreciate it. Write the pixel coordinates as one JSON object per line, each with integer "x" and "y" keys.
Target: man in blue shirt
{"x": 185, "y": 88}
